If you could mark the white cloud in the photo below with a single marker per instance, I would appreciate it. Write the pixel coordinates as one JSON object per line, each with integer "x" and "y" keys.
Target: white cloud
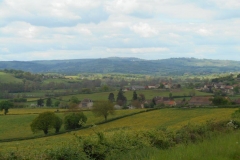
{"x": 227, "y": 4}
{"x": 22, "y": 29}
{"x": 4, "y": 50}
{"x": 121, "y": 6}
{"x": 144, "y": 30}
{"x": 137, "y": 50}
{"x": 204, "y": 32}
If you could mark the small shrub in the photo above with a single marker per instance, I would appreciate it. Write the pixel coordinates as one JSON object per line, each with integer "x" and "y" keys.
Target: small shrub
{"x": 159, "y": 138}
{"x": 236, "y": 114}
{"x": 65, "y": 153}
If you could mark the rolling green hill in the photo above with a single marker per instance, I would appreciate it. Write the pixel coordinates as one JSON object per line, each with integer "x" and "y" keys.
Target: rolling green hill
{"x": 9, "y": 78}
{"x": 172, "y": 66}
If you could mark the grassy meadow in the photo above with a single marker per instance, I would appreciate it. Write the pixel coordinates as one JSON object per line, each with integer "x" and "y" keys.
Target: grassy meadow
{"x": 172, "y": 119}
{"x": 17, "y": 123}
{"x": 8, "y": 78}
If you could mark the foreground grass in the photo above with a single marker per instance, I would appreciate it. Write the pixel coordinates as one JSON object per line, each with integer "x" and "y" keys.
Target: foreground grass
{"x": 220, "y": 147}
{"x": 224, "y": 147}
{"x": 215, "y": 141}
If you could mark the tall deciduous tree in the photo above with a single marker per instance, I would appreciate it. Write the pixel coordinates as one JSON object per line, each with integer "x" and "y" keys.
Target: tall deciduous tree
{"x": 5, "y": 105}
{"x": 111, "y": 97}
{"x": 219, "y": 100}
{"x": 141, "y": 97}
{"x": 121, "y": 99}
{"x": 74, "y": 120}
{"x": 49, "y": 102}
{"x": 103, "y": 108}
{"x": 40, "y": 102}
{"x": 74, "y": 100}
{"x": 45, "y": 121}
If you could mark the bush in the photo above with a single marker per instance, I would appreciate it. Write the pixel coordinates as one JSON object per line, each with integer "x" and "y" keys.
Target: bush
{"x": 236, "y": 114}
{"x": 74, "y": 120}
{"x": 100, "y": 147}
{"x": 190, "y": 133}
{"x": 65, "y": 153}
{"x": 194, "y": 133}
{"x": 159, "y": 138}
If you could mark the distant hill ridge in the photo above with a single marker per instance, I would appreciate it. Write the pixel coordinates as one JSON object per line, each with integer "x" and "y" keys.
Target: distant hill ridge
{"x": 172, "y": 66}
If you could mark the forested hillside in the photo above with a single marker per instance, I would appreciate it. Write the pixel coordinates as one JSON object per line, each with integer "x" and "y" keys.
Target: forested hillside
{"x": 173, "y": 66}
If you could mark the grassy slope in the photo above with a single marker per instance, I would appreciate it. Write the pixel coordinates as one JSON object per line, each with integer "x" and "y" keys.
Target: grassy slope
{"x": 8, "y": 78}
{"x": 18, "y": 126}
{"x": 171, "y": 118}
{"x": 224, "y": 147}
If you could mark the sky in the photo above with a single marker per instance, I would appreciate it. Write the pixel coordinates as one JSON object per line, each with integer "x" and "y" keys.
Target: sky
{"x": 146, "y": 29}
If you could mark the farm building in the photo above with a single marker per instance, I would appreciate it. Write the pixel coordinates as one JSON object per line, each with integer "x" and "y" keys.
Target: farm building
{"x": 86, "y": 104}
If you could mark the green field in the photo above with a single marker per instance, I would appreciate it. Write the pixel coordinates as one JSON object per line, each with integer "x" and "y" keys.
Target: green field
{"x": 224, "y": 147}
{"x": 149, "y": 94}
{"x": 8, "y": 78}
{"x": 17, "y": 123}
{"x": 172, "y": 119}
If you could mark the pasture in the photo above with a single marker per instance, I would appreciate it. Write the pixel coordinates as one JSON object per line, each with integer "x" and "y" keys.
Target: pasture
{"x": 171, "y": 118}
{"x": 8, "y": 78}
{"x": 17, "y": 123}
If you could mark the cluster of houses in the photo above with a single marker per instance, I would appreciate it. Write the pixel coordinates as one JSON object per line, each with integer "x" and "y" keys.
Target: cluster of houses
{"x": 163, "y": 85}
{"x": 214, "y": 87}
{"x": 163, "y": 101}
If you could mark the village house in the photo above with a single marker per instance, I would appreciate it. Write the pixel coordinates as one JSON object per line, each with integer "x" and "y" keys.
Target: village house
{"x": 214, "y": 87}
{"x": 200, "y": 101}
{"x": 237, "y": 101}
{"x": 207, "y": 87}
{"x": 86, "y": 104}
{"x": 117, "y": 107}
{"x": 151, "y": 87}
{"x": 170, "y": 103}
{"x": 165, "y": 101}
